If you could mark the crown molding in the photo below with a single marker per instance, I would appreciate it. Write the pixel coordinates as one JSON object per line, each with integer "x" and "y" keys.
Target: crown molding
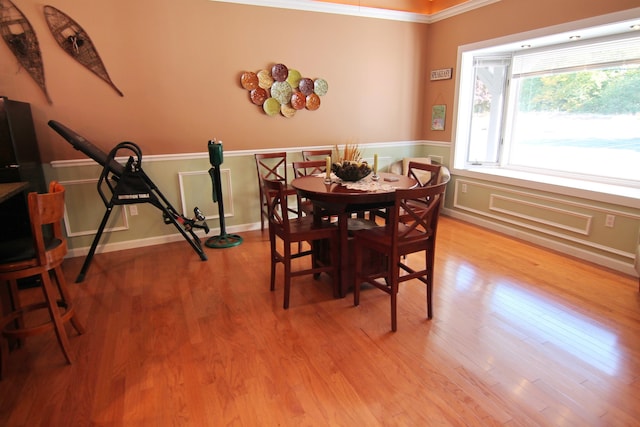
{"x": 365, "y": 12}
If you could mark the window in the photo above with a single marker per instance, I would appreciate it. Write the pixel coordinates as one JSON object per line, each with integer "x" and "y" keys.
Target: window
{"x": 568, "y": 110}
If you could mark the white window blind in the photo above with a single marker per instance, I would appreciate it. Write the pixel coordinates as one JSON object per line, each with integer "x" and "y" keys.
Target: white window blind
{"x": 604, "y": 54}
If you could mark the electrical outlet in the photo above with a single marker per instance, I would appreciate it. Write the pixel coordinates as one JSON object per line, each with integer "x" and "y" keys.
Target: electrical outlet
{"x": 133, "y": 210}
{"x": 609, "y": 221}
{"x": 463, "y": 187}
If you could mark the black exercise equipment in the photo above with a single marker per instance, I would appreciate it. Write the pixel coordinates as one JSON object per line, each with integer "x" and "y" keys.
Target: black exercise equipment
{"x": 223, "y": 240}
{"x": 128, "y": 184}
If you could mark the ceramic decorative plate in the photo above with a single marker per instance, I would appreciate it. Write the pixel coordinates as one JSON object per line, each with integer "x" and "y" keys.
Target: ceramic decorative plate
{"x": 271, "y": 107}
{"x": 279, "y": 72}
{"x": 306, "y": 86}
{"x": 313, "y": 102}
{"x": 258, "y": 96}
{"x": 281, "y": 91}
{"x": 294, "y": 78}
{"x": 249, "y": 80}
{"x": 320, "y": 87}
{"x": 264, "y": 79}
{"x": 287, "y": 110}
{"x": 298, "y": 100}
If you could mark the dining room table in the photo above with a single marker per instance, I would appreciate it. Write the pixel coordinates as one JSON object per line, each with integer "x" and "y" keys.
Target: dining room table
{"x": 10, "y": 189}
{"x": 343, "y": 199}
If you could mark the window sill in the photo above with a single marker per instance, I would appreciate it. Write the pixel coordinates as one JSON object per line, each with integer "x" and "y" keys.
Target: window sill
{"x": 606, "y": 193}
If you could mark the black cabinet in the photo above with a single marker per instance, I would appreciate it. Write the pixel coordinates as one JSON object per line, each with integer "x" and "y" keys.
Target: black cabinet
{"x": 19, "y": 161}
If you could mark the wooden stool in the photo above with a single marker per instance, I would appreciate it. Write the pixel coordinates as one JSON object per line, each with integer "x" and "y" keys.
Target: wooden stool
{"x": 40, "y": 257}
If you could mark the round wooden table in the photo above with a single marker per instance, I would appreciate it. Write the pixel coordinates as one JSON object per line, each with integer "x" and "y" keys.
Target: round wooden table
{"x": 342, "y": 201}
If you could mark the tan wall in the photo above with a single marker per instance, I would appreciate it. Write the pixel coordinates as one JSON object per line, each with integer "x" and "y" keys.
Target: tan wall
{"x": 178, "y": 64}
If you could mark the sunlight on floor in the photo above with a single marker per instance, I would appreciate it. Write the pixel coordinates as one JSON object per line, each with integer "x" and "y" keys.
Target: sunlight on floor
{"x": 572, "y": 332}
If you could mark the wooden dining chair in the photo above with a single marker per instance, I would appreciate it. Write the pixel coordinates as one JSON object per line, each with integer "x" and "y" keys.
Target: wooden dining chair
{"x": 411, "y": 227}
{"x": 296, "y": 230}
{"x": 309, "y": 155}
{"x": 272, "y": 166}
{"x": 38, "y": 256}
{"x": 425, "y": 173}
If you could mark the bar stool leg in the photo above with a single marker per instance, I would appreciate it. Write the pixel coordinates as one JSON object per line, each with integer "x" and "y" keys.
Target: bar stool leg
{"x": 62, "y": 288}
{"x": 54, "y": 311}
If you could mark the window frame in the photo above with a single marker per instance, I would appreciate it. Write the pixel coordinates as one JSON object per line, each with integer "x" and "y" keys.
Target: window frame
{"x": 591, "y": 28}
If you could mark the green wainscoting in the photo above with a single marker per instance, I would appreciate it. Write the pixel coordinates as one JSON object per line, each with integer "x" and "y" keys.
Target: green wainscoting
{"x": 572, "y": 225}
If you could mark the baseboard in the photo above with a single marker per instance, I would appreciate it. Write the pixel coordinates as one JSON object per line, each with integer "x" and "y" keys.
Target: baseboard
{"x": 622, "y": 267}
{"x": 616, "y": 265}
{"x": 158, "y": 240}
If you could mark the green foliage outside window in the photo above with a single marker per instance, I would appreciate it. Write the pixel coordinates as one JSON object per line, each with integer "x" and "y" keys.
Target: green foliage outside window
{"x": 611, "y": 91}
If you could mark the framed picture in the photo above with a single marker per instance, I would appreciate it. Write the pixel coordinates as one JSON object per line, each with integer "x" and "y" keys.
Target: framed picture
{"x": 438, "y": 115}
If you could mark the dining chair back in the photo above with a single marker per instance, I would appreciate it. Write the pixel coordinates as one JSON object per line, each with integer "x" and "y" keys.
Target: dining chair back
{"x": 307, "y": 168}
{"x": 410, "y": 228}
{"x": 425, "y": 173}
{"x": 37, "y": 257}
{"x": 309, "y": 155}
{"x": 273, "y": 167}
{"x": 296, "y": 230}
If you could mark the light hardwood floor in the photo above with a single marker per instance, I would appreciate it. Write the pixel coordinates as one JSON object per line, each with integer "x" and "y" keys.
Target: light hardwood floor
{"x": 520, "y": 337}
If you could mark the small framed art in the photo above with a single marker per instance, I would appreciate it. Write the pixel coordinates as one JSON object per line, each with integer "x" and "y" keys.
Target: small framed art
{"x": 438, "y": 115}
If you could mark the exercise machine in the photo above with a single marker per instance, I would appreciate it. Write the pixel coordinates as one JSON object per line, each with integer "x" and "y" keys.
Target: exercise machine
{"x": 128, "y": 184}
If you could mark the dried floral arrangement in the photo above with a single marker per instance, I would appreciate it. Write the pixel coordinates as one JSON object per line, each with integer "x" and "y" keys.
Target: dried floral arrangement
{"x": 349, "y": 165}
{"x": 350, "y": 153}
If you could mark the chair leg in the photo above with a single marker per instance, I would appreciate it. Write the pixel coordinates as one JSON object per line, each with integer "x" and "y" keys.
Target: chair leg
{"x": 429, "y": 283}
{"x": 4, "y": 356}
{"x": 335, "y": 262}
{"x": 262, "y": 205}
{"x": 392, "y": 282}
{"x": 357, "y": 273}
{"x": 287, "y": 274}
{"x": 274, "y": 260}
{"x": 64, "y": 293}
{"x": 429, "y": 302}
{"x": 430, "y": 260}
{"x": 394, "y": 311}
{"x": 14, "y": 296}
{"x": 54, "y": 312}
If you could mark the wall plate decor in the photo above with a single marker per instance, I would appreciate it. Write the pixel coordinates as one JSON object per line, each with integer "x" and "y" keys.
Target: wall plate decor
{"x": 264, "y": 79}
{"x": 258, "y": 96}
{"x": 306, "y": 86}
{"x": 249, "y": 80}
{"x": 283, "y": 90}
{"x": 18, "y": 33}
{"x": 74, "y": 40}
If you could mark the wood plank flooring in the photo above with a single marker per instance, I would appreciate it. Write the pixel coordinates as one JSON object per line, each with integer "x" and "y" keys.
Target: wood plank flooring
{"x": 521, "y": 336}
